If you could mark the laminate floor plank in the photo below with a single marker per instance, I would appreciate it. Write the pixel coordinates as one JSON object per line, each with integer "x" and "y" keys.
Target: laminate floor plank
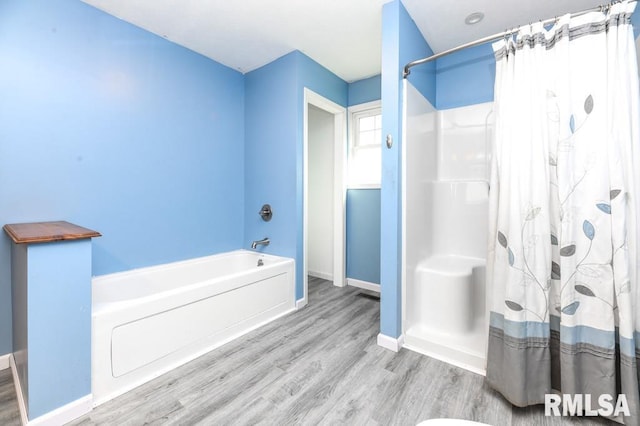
{"x": 317, "y": 366}
{"x": 400, "y": 396}
{"x": 318, "y": 377}
{"x": 534, "y": 416}
{"x": 484, "y": 404}
{"x": 9, "y": 410}
{"x": 222, "y": 406}
{"x": 353, "y": 400}
{"x": 462, "y": 396}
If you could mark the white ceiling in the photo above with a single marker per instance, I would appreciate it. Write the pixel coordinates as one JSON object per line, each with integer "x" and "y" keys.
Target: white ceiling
{"x": 442, "y": 21}
{"x": 342, "y": 35}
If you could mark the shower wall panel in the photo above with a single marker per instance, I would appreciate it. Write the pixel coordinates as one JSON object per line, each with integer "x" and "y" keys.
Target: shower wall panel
{"x": 420, "y": 170}
{"x": 446, "y": 169}
{"x": 464, "y": 142}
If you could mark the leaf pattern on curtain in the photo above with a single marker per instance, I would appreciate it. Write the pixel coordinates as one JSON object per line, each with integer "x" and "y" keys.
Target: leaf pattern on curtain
{"x": 581, "y": 268}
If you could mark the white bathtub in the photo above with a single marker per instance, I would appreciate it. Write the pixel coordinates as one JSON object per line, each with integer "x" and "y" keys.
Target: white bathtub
{"x": 151, "y": 320}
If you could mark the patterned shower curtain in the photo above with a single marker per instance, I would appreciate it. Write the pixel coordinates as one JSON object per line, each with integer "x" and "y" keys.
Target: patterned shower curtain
{"x": 563, "y": 266}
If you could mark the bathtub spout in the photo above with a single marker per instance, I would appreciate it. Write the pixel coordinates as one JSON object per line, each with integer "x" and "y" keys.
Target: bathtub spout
{"x": 262, "y": 242}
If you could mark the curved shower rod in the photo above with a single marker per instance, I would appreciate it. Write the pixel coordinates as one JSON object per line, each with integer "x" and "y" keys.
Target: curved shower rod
{"x": 506, "y": 33}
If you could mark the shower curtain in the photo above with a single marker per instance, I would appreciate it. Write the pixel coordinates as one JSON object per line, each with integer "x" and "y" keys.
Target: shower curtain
{"x": 562, "y": 265}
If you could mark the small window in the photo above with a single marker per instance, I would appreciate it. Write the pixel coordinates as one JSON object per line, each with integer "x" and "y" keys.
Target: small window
{"x": 365, "y": 145}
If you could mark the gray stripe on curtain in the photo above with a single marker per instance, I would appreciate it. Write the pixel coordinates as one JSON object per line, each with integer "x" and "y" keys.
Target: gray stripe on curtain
{"x": 524, "y": 369}
{"x": 596, "y": 339}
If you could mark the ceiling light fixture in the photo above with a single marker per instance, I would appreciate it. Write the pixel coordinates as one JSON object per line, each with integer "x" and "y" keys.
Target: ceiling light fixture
{"x": 474, "y": 18}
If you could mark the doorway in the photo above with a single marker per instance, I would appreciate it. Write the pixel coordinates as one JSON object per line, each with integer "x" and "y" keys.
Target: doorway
{"x": 324, "y": 194}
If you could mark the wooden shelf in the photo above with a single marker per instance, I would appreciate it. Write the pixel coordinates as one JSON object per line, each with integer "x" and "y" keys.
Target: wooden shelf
{"x": 44, "y": 232}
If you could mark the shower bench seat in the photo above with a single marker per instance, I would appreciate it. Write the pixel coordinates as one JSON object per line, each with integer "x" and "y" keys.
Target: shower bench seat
{"x": 450, "y": 285}
{"x": 449, "y": 323}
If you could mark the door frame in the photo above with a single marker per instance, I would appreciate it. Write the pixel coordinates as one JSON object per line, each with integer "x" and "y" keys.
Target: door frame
{"x": 339, "y": 188}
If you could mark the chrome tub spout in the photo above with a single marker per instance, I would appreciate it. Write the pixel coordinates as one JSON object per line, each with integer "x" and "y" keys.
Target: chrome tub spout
{"x": 262, "y": 242}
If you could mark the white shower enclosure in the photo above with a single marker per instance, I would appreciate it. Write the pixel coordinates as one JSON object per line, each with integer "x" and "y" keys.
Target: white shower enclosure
{"x": 445, "y": 198}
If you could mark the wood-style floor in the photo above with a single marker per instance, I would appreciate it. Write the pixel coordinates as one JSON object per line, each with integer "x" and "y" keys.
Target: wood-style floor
{"x": 9, "y": 411}
{"x": 320, "y": 365}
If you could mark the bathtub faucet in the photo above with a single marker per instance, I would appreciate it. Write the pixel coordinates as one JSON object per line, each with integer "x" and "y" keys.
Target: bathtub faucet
{"x": 263, "y": 242}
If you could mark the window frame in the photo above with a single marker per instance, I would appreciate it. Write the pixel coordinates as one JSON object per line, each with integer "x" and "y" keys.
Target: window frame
{"x": 355, "y": 113}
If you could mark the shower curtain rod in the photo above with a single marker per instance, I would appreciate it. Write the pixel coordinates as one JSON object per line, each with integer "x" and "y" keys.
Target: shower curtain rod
{"x": 407, "y": 68}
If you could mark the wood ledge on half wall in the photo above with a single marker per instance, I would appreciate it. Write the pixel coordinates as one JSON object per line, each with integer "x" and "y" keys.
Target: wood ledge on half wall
{"x": 45, "y": 232}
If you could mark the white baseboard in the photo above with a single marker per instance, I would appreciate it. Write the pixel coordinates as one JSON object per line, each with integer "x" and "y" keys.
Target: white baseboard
{"x": 66, "y": 413}
{"x": 301, "y": 303}
{"x": 363, "y": 284}
{"x": 5, "y": 361}
{"x": 323, "y": 275}
{"x": 16, "y": 383}
{"x": 390, "y": 343}
{"x": 60, "y": 415}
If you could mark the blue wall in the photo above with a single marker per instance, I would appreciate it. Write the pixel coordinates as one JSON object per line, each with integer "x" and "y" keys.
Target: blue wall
{"x": 270, "y": 154}
{"x": 363, "y": 235}
{"x": 366, "y": 90}
{"x": 635, "y": 21}
{"x": 273, "y": 149}
{"x": 401, "y": 43}
{"x": 114, "y": 128}
{"x": 59, "y": 332}
{"x": 465, "y": 77}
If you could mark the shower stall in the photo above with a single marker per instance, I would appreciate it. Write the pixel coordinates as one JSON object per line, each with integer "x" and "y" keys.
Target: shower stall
{"x": 445, "y": 203}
